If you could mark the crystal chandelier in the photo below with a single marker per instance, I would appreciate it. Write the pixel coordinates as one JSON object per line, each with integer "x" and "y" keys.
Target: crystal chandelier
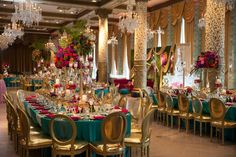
{"x": 27, "y": 12}
{"x": 128, "y": 21}
{"x": 13, "y": 30}
{"x": 230, "y": 4}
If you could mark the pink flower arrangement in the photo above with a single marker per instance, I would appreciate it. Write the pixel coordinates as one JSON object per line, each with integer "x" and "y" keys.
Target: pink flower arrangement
{"x": 207, "y": 59}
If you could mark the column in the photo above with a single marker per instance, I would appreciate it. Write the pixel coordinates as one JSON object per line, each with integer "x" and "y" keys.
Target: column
{"x": 140, "y": 45}
{"x": 215, "y": 36}
{"x": 102, "y": 44}
{"x": 125, "y": 58}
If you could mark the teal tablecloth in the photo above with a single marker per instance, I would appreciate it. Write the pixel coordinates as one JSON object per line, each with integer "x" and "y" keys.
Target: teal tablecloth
{"x": 87, "y": 130}
{"x": 99, "y": 91}
{"x": 8, "y": 81}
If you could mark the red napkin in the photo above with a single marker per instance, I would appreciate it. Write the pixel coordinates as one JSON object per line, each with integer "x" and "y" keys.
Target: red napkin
{"x": 98, "y": 117}
{"x": 229, "y": 103}
{"x": 50, "y": 115}
{"x": 39, "y": 108}
{"x": 44, "y": 112}
{"x": 124, "y": 110}
{"x": 116, "y": 107}
{"x": 35, "y": 104}
{"x": 75, "y": 118}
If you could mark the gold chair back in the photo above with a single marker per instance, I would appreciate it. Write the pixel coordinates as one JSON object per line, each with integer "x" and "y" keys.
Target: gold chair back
{"x": 183, "y": 103}
{"x": 146, "y": 125}
{"x": 13, "y": 115}
{"x": 123, "y": 101}
{"x": 146, "y": 99}
{"x": 24, "y": 125}
{"x": 69, "y": 121}
{"x": 169, "y": 102}
{"x": 113, "y": 129}
{"x": 161, "y": 99}
{"x": 197, "y": 106}
{"x": 217, "y": 109}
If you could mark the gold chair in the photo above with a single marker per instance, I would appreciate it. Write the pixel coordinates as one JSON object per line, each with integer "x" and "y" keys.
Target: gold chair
{"x": 170, "y": 111}
{"x": 183, "y": 104}
{"x": 141, "y": 139}
{"x": 147, "y": 104}
{"x": 123, "y": 101}
{"x": 27, "y": 85}
{"x": 27, "y": 140}
{"x": 218, "y": 111}
{"x": 113, "y": 133}
{"x": 161, "y": 108}
{"x": 197, "y": 114}
{"x": 70, "y": 146}
{"x": 9, "y": 116}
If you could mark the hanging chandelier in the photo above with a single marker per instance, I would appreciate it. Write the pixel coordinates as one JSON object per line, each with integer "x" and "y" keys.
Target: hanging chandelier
{"x": 11, "y": 32}
{"x": 230, "y": 4}
{"x": 128, "y": 21}
{"x": 27, "y": 13}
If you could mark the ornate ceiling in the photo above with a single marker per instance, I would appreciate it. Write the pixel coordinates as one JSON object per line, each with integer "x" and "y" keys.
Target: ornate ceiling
{"x": 59, "y": 13}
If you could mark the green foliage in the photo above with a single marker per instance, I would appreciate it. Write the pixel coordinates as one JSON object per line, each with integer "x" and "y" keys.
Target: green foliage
{"x": 77, "y": 29}
{"x": 38, "y": 44}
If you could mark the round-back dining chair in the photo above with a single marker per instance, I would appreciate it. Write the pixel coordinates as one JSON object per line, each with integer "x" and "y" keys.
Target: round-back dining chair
{"x": 123, "y": 101}
{"x": 66, "y": 146}
{"x": 113, "y": 134}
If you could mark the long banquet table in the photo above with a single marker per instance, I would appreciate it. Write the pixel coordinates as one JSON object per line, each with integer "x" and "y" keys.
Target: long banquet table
{"x": 87, "y": 130}
{"x": 230, "y": 134}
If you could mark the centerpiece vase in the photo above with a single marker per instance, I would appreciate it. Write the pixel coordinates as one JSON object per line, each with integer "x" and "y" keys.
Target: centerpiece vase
{"x": 81, "y": 91}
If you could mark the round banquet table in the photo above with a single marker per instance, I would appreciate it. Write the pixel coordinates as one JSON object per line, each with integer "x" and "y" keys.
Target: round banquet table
{"x": 87, "y": 130}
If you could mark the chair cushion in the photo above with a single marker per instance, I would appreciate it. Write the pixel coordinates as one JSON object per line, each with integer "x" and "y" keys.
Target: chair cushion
{"x": 77, "y": 145}
{"x": 39, "y": 141}
{"x": 227, "y": 124}
{"x": 184, "y": 115}
{"x": 110, "y": 147}
{"x": 135, "y": 138}
{"x": 204, "y": 118}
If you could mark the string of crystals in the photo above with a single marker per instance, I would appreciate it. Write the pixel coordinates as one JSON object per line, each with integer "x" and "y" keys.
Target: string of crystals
{"x": 128, "y": 20}
{"x": 11, "y": 32}
{"x": 27, "y": 13}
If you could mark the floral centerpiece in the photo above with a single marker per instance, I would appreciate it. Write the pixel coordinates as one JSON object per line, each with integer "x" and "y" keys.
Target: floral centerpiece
{"x": 207, "y": 59}
{"x": 5, "y": 69}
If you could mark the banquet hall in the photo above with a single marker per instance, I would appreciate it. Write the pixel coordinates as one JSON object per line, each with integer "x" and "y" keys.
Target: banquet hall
{"x": 132, "y": 78}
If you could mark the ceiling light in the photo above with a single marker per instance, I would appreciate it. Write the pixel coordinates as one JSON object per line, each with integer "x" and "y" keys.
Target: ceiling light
{"x": 4, "y": 5}
{"x": 60, "y": 10}
{"x": 57, "y": 22}
{"x": 72, "y": 12}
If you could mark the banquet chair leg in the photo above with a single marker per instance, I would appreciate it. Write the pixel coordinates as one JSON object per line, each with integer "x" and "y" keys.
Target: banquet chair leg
{"x": 194, "y": 127}
{"x": 164, "y": 118}
{"x": 211, "y": 133}
{"x": 142, "y": 151}
{"x": 179, "y": 121}
{"x": 187, "y": 125}
{"x": 87, "y": 153}
{"x": 172, "y": 121}
{"x": 223, "y": 136}
{"x": 200, "y": 128}
{"x": 148, "y": 151}
{"x": 205, "y": 128}
{"x": 167, "y": 120}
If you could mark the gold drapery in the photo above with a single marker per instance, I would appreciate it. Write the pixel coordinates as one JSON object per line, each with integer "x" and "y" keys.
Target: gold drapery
{"x": 202, "y": 7}
{"x": 154, "y": 19}
{"x": 163, "y": 23}
{"x": 177, "y": 11}
{"x": 188, "y": 14}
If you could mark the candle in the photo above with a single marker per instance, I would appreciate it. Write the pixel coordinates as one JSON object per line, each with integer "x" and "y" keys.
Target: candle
{"x": 84, "y": 98}
{"x": 57, "y": 81}
{"x": 67, "y": 92}
{"x": 71, "y": 82}
{"x": 70, "y": 64}
{"x": 76, "y": 64}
